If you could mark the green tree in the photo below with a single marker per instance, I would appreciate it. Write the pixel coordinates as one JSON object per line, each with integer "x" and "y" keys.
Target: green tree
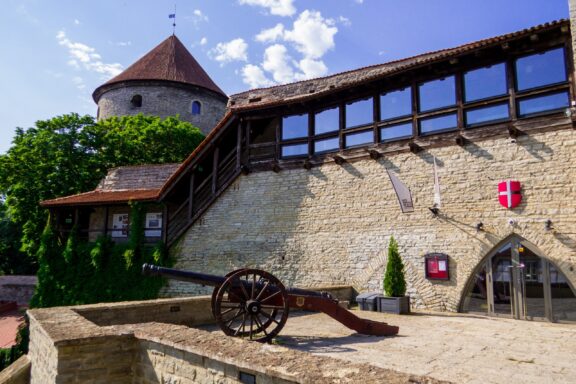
{"x": 12, "y": 261}
{"x": 69, "y": 154}
{"x": 394, "y": 282}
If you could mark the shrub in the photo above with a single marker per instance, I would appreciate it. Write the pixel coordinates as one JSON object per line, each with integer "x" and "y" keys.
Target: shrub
{"x": 394, "y": 282}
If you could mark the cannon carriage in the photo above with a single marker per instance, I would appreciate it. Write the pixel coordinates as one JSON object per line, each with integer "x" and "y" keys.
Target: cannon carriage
{"x": 254, "y": 304}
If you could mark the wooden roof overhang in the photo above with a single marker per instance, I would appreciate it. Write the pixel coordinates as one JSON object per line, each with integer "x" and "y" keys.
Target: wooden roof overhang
{"x": 94, "y": 198}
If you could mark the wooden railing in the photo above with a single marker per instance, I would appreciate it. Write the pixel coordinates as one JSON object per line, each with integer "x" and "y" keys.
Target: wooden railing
{"x": 204, "y": 194}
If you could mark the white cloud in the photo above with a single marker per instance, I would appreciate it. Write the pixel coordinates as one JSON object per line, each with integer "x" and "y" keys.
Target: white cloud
{"x": 120, "y": 43}
{"x": 312, "y": 35}
{"x": 255, "y": 77}
{"x": 78, "y": 82}
{"x": 344, "y": 21}
{"x": 275, "y": 7}
{"x": 83, "y": 56}
{"x": 311, "y": 68}
{"x": 203, "y": 41}
{"x": 234, "y": 50}
{"x": 199, "y": 16}
{"x": 76, "y": 22}
{"x": 277, "y": 62}
{"x": 359, "y": 1}
{"x": 271, "y": 34}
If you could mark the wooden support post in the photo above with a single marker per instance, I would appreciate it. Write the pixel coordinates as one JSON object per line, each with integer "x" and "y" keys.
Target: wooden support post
{"x": 215, "y": 170}
{"x": 191, "y": 197}
{"x": 165, "y": 223}
{"x": 239, "y": 145}
{"x": 106, "y": 214}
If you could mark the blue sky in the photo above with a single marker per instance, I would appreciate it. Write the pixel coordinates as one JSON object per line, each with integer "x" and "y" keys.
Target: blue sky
{"x": 55, "y": 53}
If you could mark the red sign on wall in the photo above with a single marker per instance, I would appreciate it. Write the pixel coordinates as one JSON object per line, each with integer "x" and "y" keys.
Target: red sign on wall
{"x": 509, "y": 194}
{"x": 437, "y": 266}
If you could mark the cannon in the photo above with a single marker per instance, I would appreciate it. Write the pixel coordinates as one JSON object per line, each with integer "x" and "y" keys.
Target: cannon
{"x": 254, "y": 304}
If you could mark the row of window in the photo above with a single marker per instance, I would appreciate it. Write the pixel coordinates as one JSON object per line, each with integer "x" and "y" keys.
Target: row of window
{"x": 482, "y": 95}
{"x": 195, "y": 109}
{"x": 121, "y": 224}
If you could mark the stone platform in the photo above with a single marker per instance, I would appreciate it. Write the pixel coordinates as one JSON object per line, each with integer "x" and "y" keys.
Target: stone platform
{"x": 444, "y": 346}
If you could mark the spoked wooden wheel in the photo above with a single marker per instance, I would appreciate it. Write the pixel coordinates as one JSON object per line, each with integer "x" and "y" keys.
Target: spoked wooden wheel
{"x": 252, "y": 304}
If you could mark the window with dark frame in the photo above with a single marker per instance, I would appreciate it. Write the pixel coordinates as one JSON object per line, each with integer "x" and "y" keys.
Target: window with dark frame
{"x": 356, "y": 139}
{"x": 136, "y": 101}
{"x": 396, "y": 131}
{"x": 359, "y": 113}
{"x": 540, "y": 69}
{"x": 481, "y": 96}
{"x": 326, "y": 121}
{"x": 294, "y": 127}
{"x": 196, "y": 108}
{"x": 437, "y": 94}
{"x": 396, "y": 104}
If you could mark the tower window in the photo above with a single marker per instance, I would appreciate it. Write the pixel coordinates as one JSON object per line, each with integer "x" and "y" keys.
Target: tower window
{"x": 196, "y": 108}
{"x": 136, "y": 101}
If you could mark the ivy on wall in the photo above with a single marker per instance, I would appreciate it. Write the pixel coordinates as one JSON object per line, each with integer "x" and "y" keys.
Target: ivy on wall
{"x": 102, "y": 271}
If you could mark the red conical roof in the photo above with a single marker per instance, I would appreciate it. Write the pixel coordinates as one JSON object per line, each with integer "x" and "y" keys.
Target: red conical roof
{"x": 169, "y": 61}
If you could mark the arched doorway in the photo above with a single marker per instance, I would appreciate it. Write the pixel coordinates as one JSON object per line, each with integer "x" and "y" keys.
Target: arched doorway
{"x": 515, "y": 280}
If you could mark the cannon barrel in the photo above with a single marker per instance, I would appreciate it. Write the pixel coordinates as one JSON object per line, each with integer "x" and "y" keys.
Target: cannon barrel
{"x": 177, "y": 274}
{"x": 213, "y": 280}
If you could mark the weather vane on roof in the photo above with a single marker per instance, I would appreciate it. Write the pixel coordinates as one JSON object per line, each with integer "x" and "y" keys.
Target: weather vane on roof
{"x": 173, "y": 16}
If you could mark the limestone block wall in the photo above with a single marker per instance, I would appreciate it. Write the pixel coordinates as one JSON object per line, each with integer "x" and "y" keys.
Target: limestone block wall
{"x": 164, "y": 101}
{"x": 17, "y": 288}
{"x": 331, "y": 225}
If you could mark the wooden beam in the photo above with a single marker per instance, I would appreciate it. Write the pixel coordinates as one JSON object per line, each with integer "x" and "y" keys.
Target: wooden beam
{"x": 415, "y": 148}
{"x": 191, "y": 196}
{"x": 215, "y": 169}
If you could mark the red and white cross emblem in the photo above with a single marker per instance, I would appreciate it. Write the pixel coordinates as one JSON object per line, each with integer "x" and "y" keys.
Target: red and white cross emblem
{"x": 509, "y": 193}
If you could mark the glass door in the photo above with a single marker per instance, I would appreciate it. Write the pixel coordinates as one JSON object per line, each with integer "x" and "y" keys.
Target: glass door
{"x": 516, "y": 282}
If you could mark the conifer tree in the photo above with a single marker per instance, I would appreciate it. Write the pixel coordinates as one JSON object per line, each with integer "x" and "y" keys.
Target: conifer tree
{"x": 394, "y": 282}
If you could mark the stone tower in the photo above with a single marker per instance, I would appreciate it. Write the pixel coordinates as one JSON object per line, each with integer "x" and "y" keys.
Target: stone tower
{"x": 167, "y": 81}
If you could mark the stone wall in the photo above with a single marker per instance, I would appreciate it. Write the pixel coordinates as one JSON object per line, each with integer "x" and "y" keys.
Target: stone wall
{"x": 17, "y": 288}
{"x": 331, "y": 225}
{"x": 164, "y": 101}
{"x": 16, "y": 373}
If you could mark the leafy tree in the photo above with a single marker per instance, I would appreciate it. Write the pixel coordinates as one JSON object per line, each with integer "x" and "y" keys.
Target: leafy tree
{"x": 12, "y": 261}
{"x": 70, "y": 154}
{"x": 394, "y": 282}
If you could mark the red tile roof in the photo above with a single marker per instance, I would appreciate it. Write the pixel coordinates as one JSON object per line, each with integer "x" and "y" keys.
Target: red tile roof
{"x": 103, "y": 197}
{"x": 169, "y": 61}
{"x": 122, "y": 184}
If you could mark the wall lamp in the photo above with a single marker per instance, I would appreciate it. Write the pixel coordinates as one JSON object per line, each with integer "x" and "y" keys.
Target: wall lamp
{"x": 480, "y": 226}
{"x": 548, "y": 225}
{"x": 435, "y": 210}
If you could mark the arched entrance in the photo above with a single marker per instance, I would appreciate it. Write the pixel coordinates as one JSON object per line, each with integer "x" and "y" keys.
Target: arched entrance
{"x": 515, "y": 280}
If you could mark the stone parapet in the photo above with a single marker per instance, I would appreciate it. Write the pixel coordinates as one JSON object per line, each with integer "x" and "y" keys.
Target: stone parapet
{"x": 16, "y": 373}
{"x": 68, "y": 348}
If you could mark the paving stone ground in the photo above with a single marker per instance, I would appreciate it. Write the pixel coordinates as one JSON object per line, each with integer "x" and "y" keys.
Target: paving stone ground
{"x": 9, "y": 322}
{"x": 456, "y": 348}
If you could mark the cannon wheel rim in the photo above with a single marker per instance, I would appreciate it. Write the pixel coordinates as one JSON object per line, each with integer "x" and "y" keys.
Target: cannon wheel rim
{"x": 233, "y": 316}
{"x": 217, "y": 288}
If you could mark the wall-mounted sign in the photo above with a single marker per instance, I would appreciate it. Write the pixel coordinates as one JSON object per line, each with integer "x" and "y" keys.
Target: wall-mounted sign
{"x": 437, "y": 266}
{"x": 509, "y": 194}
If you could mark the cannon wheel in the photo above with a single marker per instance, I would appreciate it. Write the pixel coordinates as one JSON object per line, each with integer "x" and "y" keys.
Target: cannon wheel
{"x": 251, "y": 304}
{"x": 217, "y": 288}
